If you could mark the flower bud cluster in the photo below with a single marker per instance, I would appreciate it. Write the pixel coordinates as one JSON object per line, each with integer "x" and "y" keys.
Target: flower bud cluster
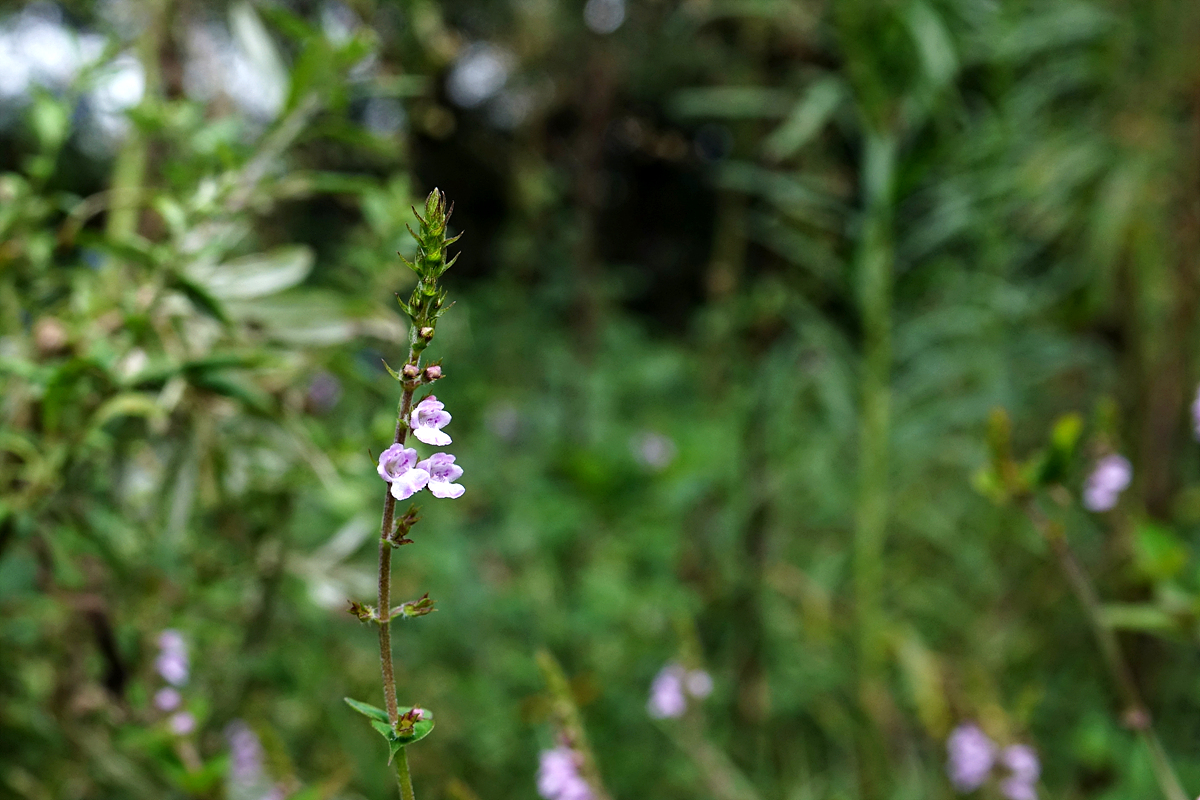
{"x": 428, "y": 302}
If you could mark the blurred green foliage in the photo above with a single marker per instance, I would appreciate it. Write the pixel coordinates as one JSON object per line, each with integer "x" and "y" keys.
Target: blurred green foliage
{"x": 741, "y": 285}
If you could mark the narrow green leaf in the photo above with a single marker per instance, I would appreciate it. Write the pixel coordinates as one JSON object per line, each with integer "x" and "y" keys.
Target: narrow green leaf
{"x": 367, "y": 710}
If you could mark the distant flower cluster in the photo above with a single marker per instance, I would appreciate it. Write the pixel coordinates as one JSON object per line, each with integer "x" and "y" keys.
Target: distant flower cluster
{"x": 173, "y": 667}
{"x": 398, "y": 465}
{"x": 972, "y": 758}
{"x": 671, "y": 688}
{"x": 1109, "y": 478}
{"x": 559, "y": 776}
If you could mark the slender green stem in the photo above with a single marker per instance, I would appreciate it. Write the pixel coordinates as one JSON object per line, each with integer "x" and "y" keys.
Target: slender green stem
{"x": 1137, "y": 716}
{"x": 874, "y": 275}
{"x": 402, "y": 776}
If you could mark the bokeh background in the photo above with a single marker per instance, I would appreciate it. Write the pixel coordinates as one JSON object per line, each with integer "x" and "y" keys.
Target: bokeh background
{"x": 742, "y": 283}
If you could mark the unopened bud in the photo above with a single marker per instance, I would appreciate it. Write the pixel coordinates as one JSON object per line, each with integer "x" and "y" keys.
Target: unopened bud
{"x": 425, "y": 333}
{"x": 410, "y": 371}
{"x": 362, "y": 611}
{"x": 413, "y": 608}
{"x": 433, "y": 372}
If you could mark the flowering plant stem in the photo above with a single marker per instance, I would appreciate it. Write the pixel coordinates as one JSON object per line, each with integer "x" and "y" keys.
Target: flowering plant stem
{"x": 423, "y": 309}
{"x": 1136, "y": 715}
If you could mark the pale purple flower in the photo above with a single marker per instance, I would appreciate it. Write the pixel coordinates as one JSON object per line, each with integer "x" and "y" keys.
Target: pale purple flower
{"x": 666, "y": 693}
{"x": 173, "y": 667}
{"x": 558, "y": 775}
{"x": 182, "y": 723}
{"x": 699, "y": 684}
{"x": 427, "y": 421}
{"x": 167, "y": 699}
{"x": 1109, "y": 478}
{"x": 1025, "y": 770}
{"x": 970, "y": 757}
{"x": 442, "y": 472}
{"x": 172, "y": 660}
{"x": 398, "y": 466}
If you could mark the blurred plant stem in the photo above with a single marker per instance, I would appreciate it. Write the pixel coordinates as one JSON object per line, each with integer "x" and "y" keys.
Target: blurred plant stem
{"x": 129, "y": 171}
{"x": 873, "y": 269}
{"x": 1135, "y": 714}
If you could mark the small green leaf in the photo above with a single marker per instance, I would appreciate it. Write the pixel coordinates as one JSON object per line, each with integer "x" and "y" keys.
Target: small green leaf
{"x": 394, "y": 743}
{"x": 391, "y": 371}
{"x": 367, "y": 710}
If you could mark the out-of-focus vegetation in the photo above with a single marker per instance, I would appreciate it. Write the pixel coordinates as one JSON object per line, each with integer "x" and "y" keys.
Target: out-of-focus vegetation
{"x": 741, "y": 284}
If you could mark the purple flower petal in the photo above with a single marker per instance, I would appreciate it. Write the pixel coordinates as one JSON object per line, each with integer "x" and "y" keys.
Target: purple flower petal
{"x": 667, "y": 700}
{"x": 409, "y": 483}
{"x": 442, "y": 474}
{"x": 427, "y": 420}
{"x": 395, "y": 461}
{"x": 1111, "y": 476}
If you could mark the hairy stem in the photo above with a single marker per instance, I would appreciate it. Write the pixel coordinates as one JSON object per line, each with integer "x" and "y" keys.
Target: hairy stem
{"x": 402, "y": 776}
{"x": 1136, "y": 714}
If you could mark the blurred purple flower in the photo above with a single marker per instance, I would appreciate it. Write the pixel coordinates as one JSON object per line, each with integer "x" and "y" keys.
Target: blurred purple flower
{"x": 427, "y": 421}
{"x": 172, "y": 660}
{"x": 666, "y": 693}
{"x": 442, "y": 473}
{"x": 167, "y": 699}
{"x": 182, "y": 723}
{"x": 397, "y": 466}
{"x": 558, "y": 776}
{"x": 970, "y": 757}
{"x": 1109, "y": 478}
{"x": 1023, "y": 763}
{"x": 245, "y": 755}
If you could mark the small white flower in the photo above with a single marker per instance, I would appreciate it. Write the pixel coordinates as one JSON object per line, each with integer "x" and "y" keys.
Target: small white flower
{"x": 442, "y": 472}
{"x": 398, "y": 466}
{"x": 427, "y": 421}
